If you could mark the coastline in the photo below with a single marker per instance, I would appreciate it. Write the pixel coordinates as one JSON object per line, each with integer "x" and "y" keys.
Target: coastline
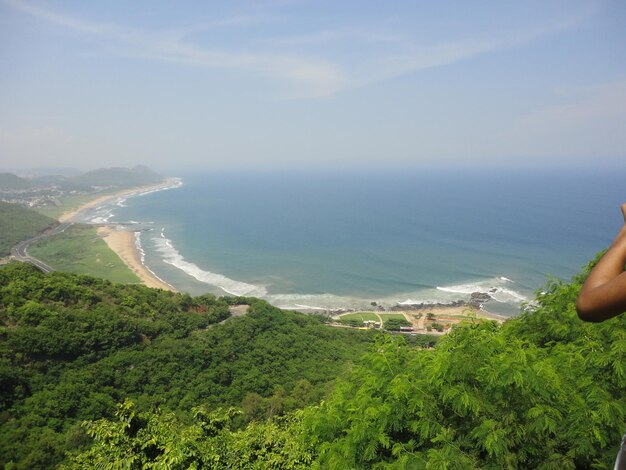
{"x": 122, "y": 239}
{"x": 122, "y": 242}
{"x": 70, "y": 215}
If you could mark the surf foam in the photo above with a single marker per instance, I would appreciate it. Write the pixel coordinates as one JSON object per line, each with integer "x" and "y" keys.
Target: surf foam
{"x": 495, "y": 288}
{"x": 171, "y": 256}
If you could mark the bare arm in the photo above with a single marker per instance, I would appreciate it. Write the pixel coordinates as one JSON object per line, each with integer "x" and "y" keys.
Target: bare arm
{"x": 603, "y": 294}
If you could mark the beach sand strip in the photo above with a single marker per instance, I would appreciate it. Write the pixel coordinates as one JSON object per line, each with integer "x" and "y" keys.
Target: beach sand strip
{"x": 123, "y": 244}
{"x": 71, "y": 214}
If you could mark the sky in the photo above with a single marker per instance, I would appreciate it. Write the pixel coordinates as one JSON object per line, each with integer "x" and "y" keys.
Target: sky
{"x": 308, "y": 84}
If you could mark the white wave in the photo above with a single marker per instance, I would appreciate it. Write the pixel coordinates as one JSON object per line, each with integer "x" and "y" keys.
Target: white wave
{"x": 142, "y": 255}
{"x": 309, "y": 307}
{"x": 493, "y": 287}
{"x": 172, "y": 257}
{"x": 505, "y": 279}
{"x": 410, "y": 302}
{"x": 176, "y": 183}
{"x": 101, "y": 219}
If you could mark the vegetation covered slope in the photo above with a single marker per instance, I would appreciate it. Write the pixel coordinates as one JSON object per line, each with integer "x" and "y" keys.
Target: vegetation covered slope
{"x": 119, "y": 177}
{"x": 19, "y": 223}
{"x": 9, "y": 181}
{"x": 72, "y": 346}
{"x": 543, "y": 391}
{"x": 80, "y": 250}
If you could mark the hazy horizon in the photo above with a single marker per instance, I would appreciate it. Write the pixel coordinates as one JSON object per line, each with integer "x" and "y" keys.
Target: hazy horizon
{"x": 299, "y": 84}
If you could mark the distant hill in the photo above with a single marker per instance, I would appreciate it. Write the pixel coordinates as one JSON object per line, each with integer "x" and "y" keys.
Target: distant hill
{"x": 49, "y": 171}
{"x": 119, "y": 177}
{"x": 18, "y": 223}
{"x": 9, "y": 182}
{"x": 116, "y": 177}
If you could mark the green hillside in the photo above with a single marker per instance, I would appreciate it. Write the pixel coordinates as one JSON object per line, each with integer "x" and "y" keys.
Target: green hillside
{"x": 130, "y": 377}
{"x": 543, "y": 391}
{"x": 73, "y": 346}
{"x": 19, "y": 223}
{"x": 9, "y": 181}
{"x": 118, "y": 177}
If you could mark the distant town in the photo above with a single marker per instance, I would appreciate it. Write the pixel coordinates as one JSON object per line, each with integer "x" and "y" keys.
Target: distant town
{"x": 48, "y": 189}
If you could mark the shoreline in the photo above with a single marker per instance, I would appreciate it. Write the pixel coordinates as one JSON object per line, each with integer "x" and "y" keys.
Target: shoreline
{"x": 122, "y": 242}
{"x": 71, "y": 214}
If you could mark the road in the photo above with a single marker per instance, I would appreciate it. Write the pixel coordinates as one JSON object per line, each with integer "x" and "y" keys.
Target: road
{"x": 20, "y": 251}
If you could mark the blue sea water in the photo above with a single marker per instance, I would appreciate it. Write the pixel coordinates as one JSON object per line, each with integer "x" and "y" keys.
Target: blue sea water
{"x": 344, "y": 239}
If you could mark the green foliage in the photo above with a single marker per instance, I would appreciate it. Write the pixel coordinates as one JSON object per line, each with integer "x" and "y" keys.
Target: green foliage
{"x": 71, "y": 346}
{"x": 80, "y": 250}
{"x": 352, "y": 322}
{"x": 9, "y": 181}
{"x": 144, "y": 440}
{"x": 542, "y": 391}
{"x": 394, "y": 324}
{"x": 437, "y": 326}
{"x": 19, "y": 223}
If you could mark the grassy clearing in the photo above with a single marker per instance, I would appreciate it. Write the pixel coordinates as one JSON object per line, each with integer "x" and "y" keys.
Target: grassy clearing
{"x": 389, "y": 316}
{"x": 80, "y": 250}
{"x": 363, "y": 316}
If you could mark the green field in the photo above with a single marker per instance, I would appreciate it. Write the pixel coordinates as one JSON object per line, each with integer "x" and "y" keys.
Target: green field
{"x": 372, "y": 316}
{"x": 389, "y": 316}
{"x": 80, "y": 250}
{"x": 364, "y": 316}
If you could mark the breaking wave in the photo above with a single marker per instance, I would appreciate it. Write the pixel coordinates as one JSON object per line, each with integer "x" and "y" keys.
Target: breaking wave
{"x": 171, "y": 256}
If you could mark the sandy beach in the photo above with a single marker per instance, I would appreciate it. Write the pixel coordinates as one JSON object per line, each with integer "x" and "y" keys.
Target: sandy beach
{"x": 123, "y": 242}
{"x": 70, "y": 215}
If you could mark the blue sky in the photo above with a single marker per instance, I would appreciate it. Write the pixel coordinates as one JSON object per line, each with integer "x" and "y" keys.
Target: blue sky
{"x": 290, "y": 84}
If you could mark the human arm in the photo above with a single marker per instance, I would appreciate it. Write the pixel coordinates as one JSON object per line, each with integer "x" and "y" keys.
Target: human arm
{"x": 603, "y": 294}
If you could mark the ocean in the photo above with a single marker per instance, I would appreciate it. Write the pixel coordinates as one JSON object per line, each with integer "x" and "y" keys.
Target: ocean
{"x": 329, "y": 240}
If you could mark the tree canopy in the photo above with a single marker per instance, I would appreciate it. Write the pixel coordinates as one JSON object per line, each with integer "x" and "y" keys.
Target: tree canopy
{"x": 72, "y": 346}
{"x": 19, "y": 223}
{"x": 542, "y": 391}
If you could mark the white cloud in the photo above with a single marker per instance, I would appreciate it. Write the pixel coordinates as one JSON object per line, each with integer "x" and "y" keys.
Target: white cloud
{"x": 318, "y": 77}
{"x": 313, "y": 73}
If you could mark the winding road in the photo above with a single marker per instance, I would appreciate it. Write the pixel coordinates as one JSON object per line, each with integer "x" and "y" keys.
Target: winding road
{"x": 20, "y": 251}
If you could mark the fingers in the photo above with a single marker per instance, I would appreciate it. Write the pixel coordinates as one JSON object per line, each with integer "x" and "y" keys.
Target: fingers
{"x": 624, "y": 211}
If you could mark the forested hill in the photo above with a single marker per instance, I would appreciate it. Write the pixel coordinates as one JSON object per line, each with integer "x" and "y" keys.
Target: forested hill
{"x": 72, "y": 347}
{"x": 18, "y": 223}
{"x": 9, "y": 181}
{"x": 130, "y": 377}
{"x": 543, "y": 391}
{"x": 121, "y": 177}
